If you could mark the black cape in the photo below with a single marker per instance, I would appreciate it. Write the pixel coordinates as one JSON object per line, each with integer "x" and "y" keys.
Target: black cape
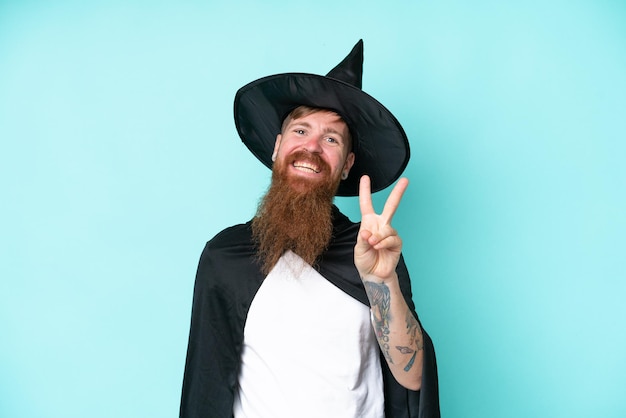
{"x": 227, "y": 280}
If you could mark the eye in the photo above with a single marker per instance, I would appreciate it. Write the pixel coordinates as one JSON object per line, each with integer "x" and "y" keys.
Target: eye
{"x": 299, "y": 131}
{"x": 331, "y": 140}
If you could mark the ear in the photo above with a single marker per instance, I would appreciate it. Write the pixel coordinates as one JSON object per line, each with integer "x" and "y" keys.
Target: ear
{"x": 349, "y": 162}
{"x": 279, "y": 138}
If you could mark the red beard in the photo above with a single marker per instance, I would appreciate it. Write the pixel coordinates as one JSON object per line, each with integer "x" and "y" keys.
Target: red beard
{"x": 295, "y": 214}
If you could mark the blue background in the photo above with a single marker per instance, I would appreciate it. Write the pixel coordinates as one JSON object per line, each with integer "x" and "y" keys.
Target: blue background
{"x": 119, "y": 159}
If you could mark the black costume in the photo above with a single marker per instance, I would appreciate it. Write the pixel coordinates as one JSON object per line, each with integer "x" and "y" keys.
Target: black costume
{"x": 227, "y": 280}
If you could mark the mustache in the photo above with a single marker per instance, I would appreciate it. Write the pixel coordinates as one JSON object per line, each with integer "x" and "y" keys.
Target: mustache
{"x": 311, "y": 157}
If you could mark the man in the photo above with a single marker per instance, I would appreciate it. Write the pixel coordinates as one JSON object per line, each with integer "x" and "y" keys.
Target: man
{"x": 300, "y": 312}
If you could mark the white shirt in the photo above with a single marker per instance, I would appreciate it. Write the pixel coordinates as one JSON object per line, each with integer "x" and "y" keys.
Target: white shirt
{"x": 309, "y": 350}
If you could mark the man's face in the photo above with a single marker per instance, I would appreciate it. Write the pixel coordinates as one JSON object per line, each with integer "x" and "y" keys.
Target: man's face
{"x": 314, "y": 147}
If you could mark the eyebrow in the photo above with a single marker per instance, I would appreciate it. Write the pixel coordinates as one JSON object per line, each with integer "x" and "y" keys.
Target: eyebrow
{"x": 333, "y": 131}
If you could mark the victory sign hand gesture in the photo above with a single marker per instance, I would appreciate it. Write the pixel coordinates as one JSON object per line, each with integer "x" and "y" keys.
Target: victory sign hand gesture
{"x": 378, "y": 247}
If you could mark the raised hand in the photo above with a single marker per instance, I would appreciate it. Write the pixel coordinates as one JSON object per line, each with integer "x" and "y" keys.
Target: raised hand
{"x": 378, "y": 245}
{"x": 376, "y": 255}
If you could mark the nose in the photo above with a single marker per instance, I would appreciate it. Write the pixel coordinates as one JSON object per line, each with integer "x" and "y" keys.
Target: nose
{"x": 313, "y": 144}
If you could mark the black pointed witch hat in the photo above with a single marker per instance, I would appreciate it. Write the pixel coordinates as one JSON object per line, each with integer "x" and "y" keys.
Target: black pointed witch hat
{"x": 379, "y": 142}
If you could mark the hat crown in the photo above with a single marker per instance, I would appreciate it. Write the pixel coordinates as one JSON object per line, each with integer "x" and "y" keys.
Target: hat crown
{"x": 350, "y": 70}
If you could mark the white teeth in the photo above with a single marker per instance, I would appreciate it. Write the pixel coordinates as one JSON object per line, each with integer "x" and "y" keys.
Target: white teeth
{"x": 306, "y": 166}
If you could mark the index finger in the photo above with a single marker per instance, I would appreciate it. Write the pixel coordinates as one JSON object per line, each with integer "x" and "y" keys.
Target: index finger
{"x": 365, "y": 196}
{"x": 393, "y": 201}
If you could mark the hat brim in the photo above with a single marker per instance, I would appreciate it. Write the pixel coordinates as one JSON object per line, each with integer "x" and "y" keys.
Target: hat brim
{"x": 380, "y": 144}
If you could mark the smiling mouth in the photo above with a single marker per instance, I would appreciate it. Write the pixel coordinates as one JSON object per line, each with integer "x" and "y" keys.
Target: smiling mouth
{"x": 307, "y": 167}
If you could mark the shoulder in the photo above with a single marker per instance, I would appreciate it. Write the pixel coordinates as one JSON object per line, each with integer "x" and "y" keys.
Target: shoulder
{"x": 230, "y": 253}
{"x": 231, "y": 245}
{"x": 235, "y": 235}
{"x": 343, "y": 227}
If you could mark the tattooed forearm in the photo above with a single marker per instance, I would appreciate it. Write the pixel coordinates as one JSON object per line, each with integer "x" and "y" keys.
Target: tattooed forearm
{"x": 413, "y": 329}
{"x": 378, "y": 294}
{"x": 387, "y": 332}
{"x": 405, "y": 350}
{"x": 410, "y": 363}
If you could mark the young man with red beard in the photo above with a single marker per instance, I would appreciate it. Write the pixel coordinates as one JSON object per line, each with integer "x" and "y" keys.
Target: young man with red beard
{"x": 300, "y": 312}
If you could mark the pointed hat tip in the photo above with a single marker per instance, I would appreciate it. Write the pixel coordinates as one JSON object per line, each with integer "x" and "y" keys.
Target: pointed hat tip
{"x": 350, "y": 69}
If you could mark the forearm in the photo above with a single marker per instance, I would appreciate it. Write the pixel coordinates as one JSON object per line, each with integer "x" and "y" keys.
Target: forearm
{"x": 397, "y": 330}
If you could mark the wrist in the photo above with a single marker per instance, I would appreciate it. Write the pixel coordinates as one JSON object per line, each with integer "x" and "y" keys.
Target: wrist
{"x": 374, "y": 278}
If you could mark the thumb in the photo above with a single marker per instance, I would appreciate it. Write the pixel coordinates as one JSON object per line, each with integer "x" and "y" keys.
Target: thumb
{"x": 362, "y": 241}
